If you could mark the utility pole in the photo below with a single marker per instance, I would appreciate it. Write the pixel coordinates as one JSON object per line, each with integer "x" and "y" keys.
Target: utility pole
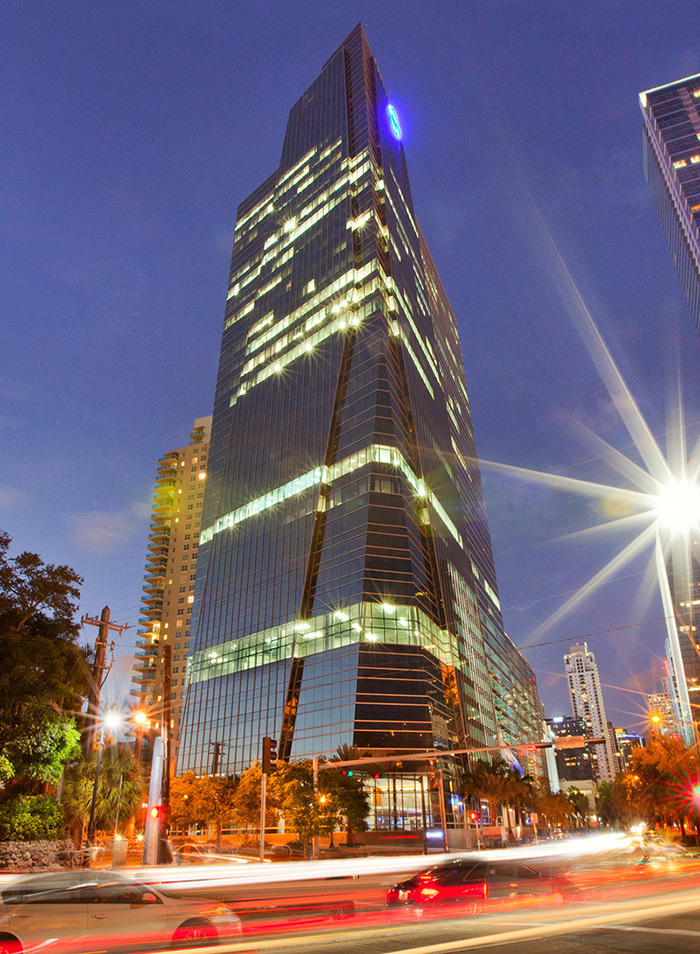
{"x": 215, "y": 757}
{"x": 99, "y": 671}
{"x": 164, "y": 854}
{"x": 263, "y": 799}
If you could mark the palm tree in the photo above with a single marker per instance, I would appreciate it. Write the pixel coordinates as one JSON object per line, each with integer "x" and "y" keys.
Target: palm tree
{"x": 120, "y": 789}
{"x": 580, "y": 805}
{"x": 352, "y": 799}
{"x": 495, "y": 784}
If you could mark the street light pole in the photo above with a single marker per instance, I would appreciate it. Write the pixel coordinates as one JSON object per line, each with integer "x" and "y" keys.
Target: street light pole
{"x": 112, "y": 720}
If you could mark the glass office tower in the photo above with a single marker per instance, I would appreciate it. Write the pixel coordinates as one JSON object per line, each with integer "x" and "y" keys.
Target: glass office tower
{"x": 672, "y": 169}
{"x": 345, "y": 581}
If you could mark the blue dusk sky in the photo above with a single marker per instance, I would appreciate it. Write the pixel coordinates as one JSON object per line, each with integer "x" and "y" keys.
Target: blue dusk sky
{"x": 131, "y": 131}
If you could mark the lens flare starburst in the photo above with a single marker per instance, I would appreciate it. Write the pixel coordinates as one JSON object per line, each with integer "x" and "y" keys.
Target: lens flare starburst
{"x": 658, "y": 499}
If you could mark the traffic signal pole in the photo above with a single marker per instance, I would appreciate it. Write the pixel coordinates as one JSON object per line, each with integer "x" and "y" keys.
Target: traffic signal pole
{"x": 263, "y": 798}
{"x": 269, "y": 757}
{"x": 315, "y": 841}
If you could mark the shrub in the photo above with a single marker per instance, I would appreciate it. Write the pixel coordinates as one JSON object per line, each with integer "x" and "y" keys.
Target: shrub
{"x": 31, "y": 818}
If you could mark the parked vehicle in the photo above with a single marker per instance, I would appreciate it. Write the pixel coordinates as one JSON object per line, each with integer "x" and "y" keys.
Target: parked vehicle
{"x": 194, "y": 854}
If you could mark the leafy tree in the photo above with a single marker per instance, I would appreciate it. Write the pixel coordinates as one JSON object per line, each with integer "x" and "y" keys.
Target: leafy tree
{"x": 187, "y": 803}
{"x": 246, "y": 800}
{"x": 7, "y": 770}
{"x": 120, "y": 789}
{"x": 219, "y": 795}
{"x": 341, "y": 800}
{"x": 201, "y": 800}
{"x": 292, "y": 788}
{"x": 42, "y": 755}
{"x": 665, "y": 772}
{"x": 31, "y": 818}
{"x": 554, "y": 809}
{"x": 44, "y": 676}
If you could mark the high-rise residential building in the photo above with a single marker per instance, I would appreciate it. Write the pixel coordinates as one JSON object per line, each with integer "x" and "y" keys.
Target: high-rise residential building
{"x": 672, "y": 169}
{"x": 588, "y": 706}
{"x": 346, "y": 591}
{"x": 168, "y": 590}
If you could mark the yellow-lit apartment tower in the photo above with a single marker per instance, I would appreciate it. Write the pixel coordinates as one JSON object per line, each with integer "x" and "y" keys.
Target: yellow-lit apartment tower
{"x": 168, "y": 590}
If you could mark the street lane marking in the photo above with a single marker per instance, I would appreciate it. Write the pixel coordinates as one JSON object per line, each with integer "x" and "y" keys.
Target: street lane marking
{"x": 632, "y": 927}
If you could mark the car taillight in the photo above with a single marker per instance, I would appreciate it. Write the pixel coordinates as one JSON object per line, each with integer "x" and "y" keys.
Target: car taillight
{"x": 429, "y": 892}
{"x": 485, "y": 889}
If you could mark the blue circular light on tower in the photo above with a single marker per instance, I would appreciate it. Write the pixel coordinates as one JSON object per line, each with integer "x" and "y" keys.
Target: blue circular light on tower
{"x": 393, "y": 121}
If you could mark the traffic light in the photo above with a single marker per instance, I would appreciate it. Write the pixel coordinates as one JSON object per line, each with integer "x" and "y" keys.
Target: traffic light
{"x": 696, "y": 791}
{"x": 269, "y": 754}
{"x": 474, "y": 816}
{"x": 348, "y": 772}
{"x": 155, "y": 811}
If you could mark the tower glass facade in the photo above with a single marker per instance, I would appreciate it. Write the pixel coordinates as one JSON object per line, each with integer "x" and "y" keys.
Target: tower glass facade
{"x": 345, "y": 584}
{"x": 672, "y": 169}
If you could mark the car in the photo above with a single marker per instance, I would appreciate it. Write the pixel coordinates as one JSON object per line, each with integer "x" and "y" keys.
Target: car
{"x": 74, "y": 912}
{"x": 193, "y": 854}
{"x": 293, "y": 849}
{"x": 477, "y": 884}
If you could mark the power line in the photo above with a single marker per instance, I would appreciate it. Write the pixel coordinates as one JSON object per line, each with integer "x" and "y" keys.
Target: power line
{"x": 600, "y": 632}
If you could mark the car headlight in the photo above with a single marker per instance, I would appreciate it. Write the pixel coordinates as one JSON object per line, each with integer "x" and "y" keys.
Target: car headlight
{"x": 223, "y": 914}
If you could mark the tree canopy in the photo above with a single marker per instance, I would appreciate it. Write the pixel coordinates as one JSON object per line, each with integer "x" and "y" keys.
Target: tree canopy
{"x": 496, "y": 784}
{"x": 199, "y": 800}
{"x": 44, "y": 674}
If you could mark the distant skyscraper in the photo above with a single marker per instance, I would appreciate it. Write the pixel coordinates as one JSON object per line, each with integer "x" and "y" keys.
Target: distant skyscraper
{"x": 168, "y": 591}
{"x": 664, "y": 719}
{"x": 672, "y": 168}
{"x": 627, "y": 742}
{"x": 573, "y": 757}
{"x": 346, "y": 591}
{"x": 588, "y": 706}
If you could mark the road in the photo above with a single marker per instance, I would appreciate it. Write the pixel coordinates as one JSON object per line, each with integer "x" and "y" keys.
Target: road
{"x": 643, "y": 926}
{"x": 642, "y": 912}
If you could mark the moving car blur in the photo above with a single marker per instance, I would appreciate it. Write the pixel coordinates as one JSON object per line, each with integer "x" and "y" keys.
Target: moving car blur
{"x": 75, "y": 911}
{"x": 478, "y": 885}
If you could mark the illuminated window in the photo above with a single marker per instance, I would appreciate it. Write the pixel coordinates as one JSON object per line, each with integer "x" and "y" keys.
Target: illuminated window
{"x": 680, "y": 164}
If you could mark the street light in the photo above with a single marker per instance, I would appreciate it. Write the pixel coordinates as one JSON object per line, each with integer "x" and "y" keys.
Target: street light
{"x": 112, "y": 720}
